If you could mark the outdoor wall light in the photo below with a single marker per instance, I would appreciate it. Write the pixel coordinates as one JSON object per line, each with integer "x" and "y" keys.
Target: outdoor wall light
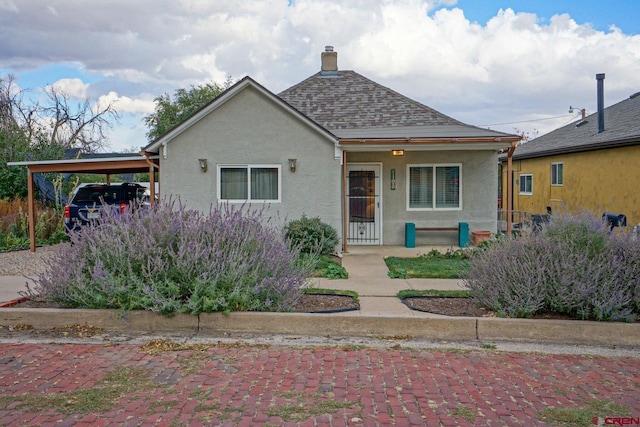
{"x": 203, "y": 165}
{"x": 393, "y": 179}
{"x": 397, "y": 152}
{"x": 292, "y": 165}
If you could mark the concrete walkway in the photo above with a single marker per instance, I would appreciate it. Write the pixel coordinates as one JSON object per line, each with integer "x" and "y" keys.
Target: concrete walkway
{"x": 377, "y": 292}
{"x": 12, "y": 286}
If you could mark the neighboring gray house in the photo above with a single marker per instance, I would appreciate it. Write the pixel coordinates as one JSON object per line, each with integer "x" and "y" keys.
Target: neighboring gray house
{"x": 341, "y": 147}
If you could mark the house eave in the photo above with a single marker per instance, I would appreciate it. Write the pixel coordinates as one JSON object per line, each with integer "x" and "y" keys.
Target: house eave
{"x": 428, "y": 144}
{"x": 625, "y": 142}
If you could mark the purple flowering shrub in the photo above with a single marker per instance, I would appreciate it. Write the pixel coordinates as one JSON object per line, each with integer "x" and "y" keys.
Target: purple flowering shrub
{"x": 574, "y": 265}
{"x": 170, "y": 259}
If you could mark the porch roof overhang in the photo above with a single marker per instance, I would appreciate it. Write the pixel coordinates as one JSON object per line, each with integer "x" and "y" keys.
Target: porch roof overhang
{"x": 107, "y": 166}
{"x": 424, "y": 138}
{"x": 428, "y": 144}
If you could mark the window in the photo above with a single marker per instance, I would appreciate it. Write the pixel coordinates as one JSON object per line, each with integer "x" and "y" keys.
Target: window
{"x": 253, "y": 183}
{"x": 434, "y": 187}
{"x": 526, "y": 184}
{"x": 556, "y": 174}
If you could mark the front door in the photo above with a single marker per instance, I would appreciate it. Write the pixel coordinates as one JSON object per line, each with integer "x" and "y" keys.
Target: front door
{"x": 363, "y": 204}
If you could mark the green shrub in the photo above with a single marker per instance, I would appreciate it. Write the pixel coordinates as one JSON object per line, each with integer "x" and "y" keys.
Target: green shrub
{"x": 14, "y": 227}
{"x": 573, "y": 266}
{"x": 312, "y": 235}
{"x": 169, "y": 259}
{"x": 329, "y": 269}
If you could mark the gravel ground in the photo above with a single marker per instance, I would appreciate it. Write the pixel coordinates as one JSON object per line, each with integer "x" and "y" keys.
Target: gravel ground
{"x": 26, "y": 263}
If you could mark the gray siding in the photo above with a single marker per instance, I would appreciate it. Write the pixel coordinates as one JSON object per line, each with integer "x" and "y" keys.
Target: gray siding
{"x": 479, "y": 194}
{"x": 251, "y": 129}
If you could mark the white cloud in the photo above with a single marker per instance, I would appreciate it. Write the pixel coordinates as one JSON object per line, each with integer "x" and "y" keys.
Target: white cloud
{"x": 75, "y": 88}
{"x": 514, "y": 68}
{"x": 124, "y": 104}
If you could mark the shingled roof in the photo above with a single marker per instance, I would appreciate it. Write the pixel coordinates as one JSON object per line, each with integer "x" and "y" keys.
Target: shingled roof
{"x": 352, "y": 106}
{"x": 621, "y": 127}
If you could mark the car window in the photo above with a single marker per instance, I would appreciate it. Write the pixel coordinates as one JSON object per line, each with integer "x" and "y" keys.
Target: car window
{"x": 96, "y": 195}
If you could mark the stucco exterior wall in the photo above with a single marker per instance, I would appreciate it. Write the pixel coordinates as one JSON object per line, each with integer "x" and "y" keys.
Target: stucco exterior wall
{"x": 596, "y": 181}
{"x": 479, "y": 186}
{"x": 251, "y": 129}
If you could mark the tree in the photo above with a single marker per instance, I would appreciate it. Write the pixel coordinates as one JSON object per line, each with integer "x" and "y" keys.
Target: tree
{"x": 527, "y": 136}
{"x": 57, "y": 120}
{"x": 171, "y": 112}
{"x": 43, "y": 131}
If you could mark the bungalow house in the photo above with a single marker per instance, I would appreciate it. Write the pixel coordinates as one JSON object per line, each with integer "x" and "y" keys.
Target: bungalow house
{"x": 590, "y": 164}
{"x": 340, "y": 147}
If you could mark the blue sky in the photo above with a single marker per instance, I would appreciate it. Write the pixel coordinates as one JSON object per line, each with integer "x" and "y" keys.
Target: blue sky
{"x": 515, "y": 70}
{"x": 624, "y": 14}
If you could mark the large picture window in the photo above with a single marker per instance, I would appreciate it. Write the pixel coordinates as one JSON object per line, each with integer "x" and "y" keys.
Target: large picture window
{"x": 556, "y": 174}
{"x": 526, "y": 184}
{"x": 434, "y": 187}
{"x": 252, "y": 183}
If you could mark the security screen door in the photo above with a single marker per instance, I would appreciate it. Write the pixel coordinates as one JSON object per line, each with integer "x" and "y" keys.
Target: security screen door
{"x": 363, "y": 204}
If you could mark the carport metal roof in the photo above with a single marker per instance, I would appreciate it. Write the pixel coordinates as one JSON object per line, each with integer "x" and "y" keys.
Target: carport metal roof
{"x": 107, "y": 166}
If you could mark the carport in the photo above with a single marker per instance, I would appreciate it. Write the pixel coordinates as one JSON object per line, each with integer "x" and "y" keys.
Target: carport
{"x": 107, "y": 166}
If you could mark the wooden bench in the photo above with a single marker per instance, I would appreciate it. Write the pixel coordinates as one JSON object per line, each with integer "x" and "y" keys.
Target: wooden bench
{"x": 410, "y": 230}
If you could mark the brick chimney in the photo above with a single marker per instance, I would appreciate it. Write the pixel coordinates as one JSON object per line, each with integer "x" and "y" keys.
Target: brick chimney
{"x": 329, "y": 62}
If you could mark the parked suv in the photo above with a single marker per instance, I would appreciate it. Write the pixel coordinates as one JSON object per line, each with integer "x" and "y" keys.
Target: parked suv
{"x": 88, "y": 199}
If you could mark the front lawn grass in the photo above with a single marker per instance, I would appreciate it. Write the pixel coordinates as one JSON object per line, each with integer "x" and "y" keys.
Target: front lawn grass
{"x": 427, "y": 267}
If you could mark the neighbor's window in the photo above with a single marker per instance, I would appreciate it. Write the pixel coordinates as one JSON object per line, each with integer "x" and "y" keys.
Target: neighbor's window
{"x": 253, "y": 183}
{"x": 556, "y": 174}
{"x": 526, "y": 184}
{"x": 434, "y": 187}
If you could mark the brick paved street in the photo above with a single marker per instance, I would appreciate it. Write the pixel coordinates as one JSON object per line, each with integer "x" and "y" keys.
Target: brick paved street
{"x": 164, "y": 384}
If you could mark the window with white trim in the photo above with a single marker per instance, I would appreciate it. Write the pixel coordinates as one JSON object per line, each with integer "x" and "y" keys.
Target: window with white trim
{"x": 434, "y": 187}
{"x": 249, "y": 183}
{"x": 526, "y": 184}
{"x": 557, "y": 177}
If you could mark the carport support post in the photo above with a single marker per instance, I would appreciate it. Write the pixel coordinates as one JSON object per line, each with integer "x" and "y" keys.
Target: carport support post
{"x": 152, "y": 185}
{"x": 32, "y": 211}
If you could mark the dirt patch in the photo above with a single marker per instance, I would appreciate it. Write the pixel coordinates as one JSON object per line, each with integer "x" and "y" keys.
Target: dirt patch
{"x": 448, "y": 306}
{"x": 321, "y": 303}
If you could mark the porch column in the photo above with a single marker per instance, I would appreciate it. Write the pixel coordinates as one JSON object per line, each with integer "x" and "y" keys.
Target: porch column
{"x": 510, "y": 152}
{"x": 345, "y": 213}
{"x": 31, "y": 208}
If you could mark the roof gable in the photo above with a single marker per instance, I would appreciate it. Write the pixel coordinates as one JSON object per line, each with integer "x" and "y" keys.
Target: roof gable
{"x": 621, "y": 127}
{"x": 225, "y": 97}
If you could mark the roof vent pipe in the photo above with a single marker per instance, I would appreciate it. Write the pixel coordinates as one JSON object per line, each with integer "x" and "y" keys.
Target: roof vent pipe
{"x": 600, "y": 79}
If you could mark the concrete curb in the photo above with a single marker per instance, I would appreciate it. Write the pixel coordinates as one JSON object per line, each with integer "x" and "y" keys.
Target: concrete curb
{"x": 559, "y": 331}
{"x": 339, "y": 324}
